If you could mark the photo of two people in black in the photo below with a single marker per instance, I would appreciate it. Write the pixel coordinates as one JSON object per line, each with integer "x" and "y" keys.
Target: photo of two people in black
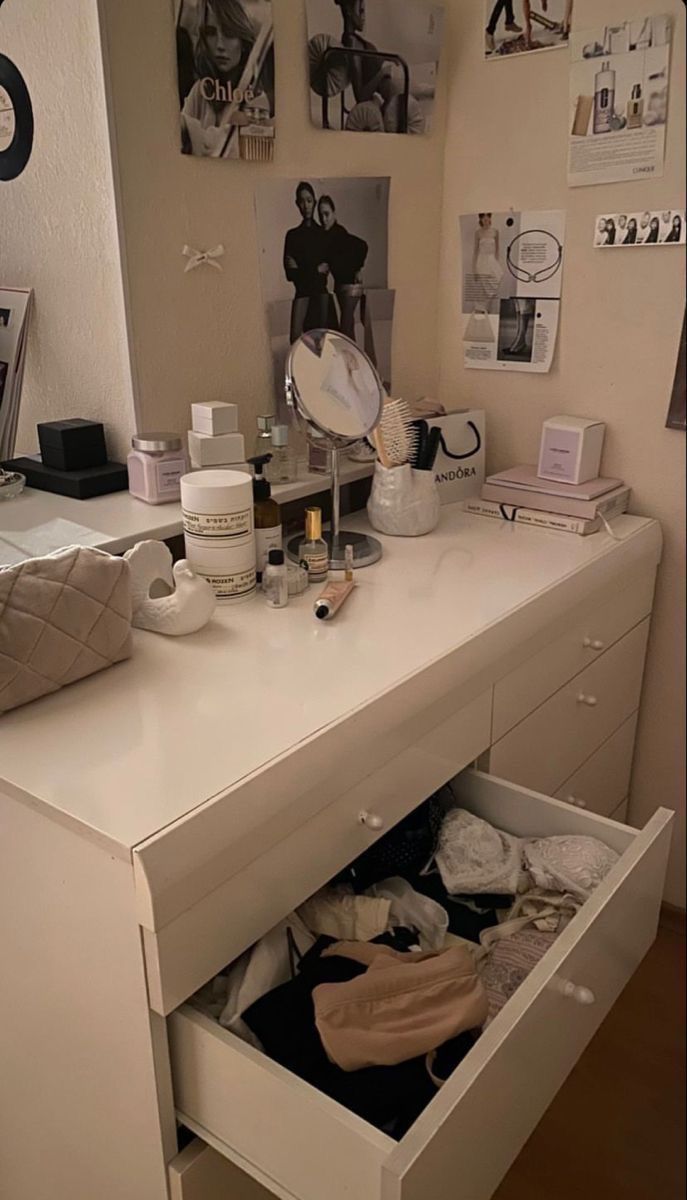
{"x": 324, "y": 262}
{"x": 225, "y": 58}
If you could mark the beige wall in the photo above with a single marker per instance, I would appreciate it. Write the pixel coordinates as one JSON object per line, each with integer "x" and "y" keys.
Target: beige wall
{"x": 621, "y": 320}
{"x": 203, "y": 335}
{"x": 58, "y": 227}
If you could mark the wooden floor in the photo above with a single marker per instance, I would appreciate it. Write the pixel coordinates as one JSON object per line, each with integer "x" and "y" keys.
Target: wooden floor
{"x": 616, "y": 1130}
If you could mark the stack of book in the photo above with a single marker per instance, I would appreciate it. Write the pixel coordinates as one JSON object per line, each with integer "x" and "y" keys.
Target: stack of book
{"x": 520, "y": 496}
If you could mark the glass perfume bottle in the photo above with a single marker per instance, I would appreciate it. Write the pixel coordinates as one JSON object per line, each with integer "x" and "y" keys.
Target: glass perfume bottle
{"x": 283, "y": 465}
{"x": 313, "y": 549}
{"x": 263, "y": 441}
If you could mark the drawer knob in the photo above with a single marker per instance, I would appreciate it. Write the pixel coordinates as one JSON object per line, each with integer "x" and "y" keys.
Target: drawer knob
{"x": 589, "y": 701}
{"x": 371, "y": 820}
{"x": 581, "y": 995}
{"x": 592, "y": 644}
{"x": 576, "y": 801}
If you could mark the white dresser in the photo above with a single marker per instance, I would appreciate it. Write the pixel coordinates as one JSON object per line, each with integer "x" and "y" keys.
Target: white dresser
{"x": 158, "y": 819}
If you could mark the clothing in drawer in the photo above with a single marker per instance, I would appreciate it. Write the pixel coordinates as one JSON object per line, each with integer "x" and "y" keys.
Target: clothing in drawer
{"x": 182, "y": 954}
{"x": 297, "y": 1142}
{"x": 554, "y": 741}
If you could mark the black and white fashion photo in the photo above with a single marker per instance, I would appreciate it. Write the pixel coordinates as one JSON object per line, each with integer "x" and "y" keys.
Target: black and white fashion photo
{"x": 324, "y": 253}
{"x": 524, "y": 26}
{"x": 5, "y": 314}
{"x": 374, "y": 64}
{"x": 665, "y": 228}
{"x": 225, "y": 58}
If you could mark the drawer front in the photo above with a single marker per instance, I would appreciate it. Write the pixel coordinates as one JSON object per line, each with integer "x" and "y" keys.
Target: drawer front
{"x": 184, "y": 954}
{"x": 200, "y": 1173}
{"x": 464, "y": 1142}
{"x": 524, "y": 689}
{"x": 550, "y": 745}
{"x": 603, "y": 782}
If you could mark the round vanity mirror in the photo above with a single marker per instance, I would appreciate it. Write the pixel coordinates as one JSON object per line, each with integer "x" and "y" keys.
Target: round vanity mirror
{"x": 336, "y": 393}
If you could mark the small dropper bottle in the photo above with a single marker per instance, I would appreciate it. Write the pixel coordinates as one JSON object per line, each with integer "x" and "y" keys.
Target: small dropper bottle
{"x": 314, "y": 549}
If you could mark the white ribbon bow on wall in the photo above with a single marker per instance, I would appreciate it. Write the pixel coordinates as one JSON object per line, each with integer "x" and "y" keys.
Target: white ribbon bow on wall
{"x": 200, "y": 258}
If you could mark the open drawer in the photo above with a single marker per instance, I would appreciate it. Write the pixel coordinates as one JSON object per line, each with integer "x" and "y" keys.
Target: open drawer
{"x": 299, "y": 1143}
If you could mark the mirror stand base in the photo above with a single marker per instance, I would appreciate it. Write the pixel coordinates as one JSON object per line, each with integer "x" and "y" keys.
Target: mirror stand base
{"x": 366, "y": 550}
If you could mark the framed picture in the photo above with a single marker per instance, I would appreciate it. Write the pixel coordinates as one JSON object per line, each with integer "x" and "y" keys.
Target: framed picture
{"x": 16, "y": 121}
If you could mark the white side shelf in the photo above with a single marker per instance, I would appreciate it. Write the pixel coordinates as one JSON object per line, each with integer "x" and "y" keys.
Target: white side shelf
{"x": 118, "y": 521}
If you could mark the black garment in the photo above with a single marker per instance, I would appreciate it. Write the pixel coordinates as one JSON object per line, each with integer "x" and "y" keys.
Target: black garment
{"x": 499, "y": 7}
{"x": 345, "y": 253}
{"x": 391, "y": 1098}
{"x": 674, "y": 235}
{"x": 405, "y": 850}
{"x": 305, "y": 245}
{"x": 630, "y": 237}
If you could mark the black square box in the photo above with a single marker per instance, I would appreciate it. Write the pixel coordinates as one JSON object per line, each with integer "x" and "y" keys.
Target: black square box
{"x": 73, "y": 445}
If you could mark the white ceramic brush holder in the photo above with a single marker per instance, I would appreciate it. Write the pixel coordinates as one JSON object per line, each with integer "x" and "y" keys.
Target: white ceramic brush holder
{"x": 403, "y": 502}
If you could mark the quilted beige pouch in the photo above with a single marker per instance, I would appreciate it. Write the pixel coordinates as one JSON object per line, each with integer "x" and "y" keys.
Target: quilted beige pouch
{"x": 62, "y": 617}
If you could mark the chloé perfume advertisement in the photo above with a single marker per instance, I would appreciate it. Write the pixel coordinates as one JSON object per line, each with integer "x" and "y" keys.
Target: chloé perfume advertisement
{"x": 512, "y": 279}
{"x": 225, "y": 58}
{"x": 619, "y": 80}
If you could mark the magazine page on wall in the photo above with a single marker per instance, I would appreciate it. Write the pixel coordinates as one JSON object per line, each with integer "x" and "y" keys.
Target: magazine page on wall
{"x": 619, "y": 78}
{"x": 324, "y": 264}
{"x": 521, "y": 27}
{"x": 512, "y": 279}
{"x": 225, "y": 60}
{"x": 15, "y": 304}
{"x": 373, "y": 64}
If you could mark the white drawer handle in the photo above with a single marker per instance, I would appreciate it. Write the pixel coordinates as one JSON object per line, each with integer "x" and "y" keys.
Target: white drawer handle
{"x": 591, "y": 644}
{"x": 372, "y": 820}
{"x": 590, "y": 701}
{"x": 576, "y": 801}
{"x": 581, "y": 995}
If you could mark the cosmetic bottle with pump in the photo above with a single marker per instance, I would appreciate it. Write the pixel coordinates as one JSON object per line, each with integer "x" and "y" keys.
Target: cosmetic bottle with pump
{"x": 313, "y": 549}
{"x": 268, "y": 531}
{"x": 635, "y": 108}
{"x": 604, "y": 99}
{"x": 283, "y": 466}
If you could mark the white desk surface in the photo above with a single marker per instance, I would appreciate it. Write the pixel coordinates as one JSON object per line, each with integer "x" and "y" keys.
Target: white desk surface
{"x": 130, "y": 750}
{"x": 119, "y": 521}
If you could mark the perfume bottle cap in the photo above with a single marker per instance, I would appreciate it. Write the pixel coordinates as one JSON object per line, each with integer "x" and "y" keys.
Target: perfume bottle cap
{"x": 280, "y": 435}
{"x": 313, "y": 524}
{"x": 265, "y": 424}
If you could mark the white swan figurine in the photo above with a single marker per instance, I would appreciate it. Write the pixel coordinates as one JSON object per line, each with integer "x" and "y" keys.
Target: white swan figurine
{"x": 167, "y": 599}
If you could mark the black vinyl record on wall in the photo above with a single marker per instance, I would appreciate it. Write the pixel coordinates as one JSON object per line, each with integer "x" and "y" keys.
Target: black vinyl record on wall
{"x": 16, "y": 121}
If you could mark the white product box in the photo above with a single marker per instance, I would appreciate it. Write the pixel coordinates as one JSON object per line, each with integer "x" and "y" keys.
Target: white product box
{"x": 571, "y": 449}
{"x": 214, "y": 418}
{"x": 222, "y": 450}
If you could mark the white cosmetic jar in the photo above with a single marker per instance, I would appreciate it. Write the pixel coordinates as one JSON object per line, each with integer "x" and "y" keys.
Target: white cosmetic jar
{"x": 217, "y": 507}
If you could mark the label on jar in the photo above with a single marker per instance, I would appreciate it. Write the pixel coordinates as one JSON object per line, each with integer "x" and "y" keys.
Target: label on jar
{"x": 231, "y": 587}
{"x": 266, "y": 540}
{"x": 169, "y": 476}
{"x": 218, "y": 525}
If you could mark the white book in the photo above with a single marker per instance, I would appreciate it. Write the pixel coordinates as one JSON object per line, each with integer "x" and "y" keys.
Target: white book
{"x": 527, "y": 478}
{"x": 530, "y": 516}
